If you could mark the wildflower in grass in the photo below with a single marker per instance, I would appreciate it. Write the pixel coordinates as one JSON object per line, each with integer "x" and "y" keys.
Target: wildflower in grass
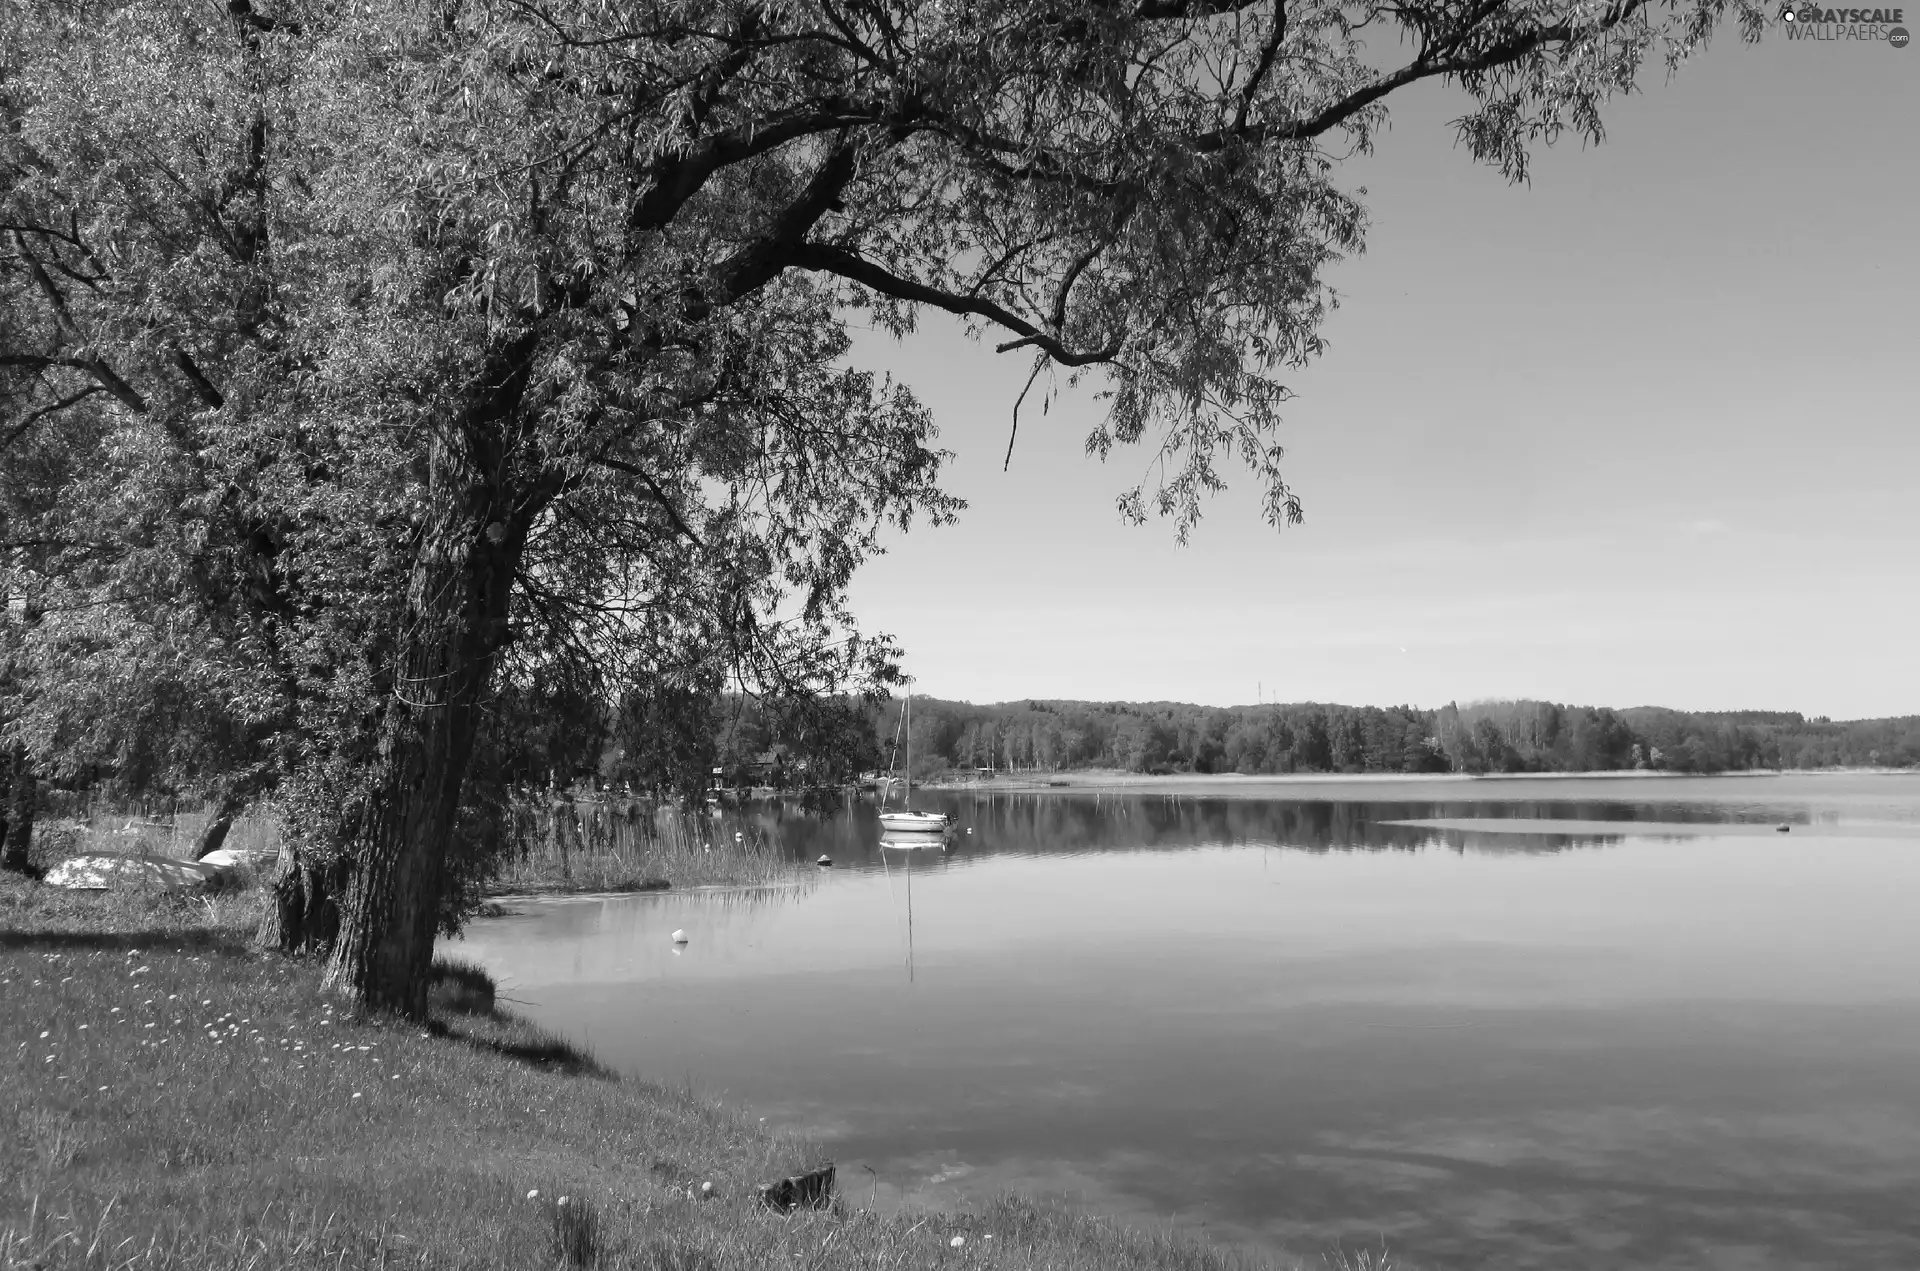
{"x": 43, "y": 1034}
{"x": 957, "y": 1241}
{"x": 534, "y": 1194}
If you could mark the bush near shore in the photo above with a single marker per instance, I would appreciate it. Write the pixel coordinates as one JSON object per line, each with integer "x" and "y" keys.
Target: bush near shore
{"x": 177, "y": 1099}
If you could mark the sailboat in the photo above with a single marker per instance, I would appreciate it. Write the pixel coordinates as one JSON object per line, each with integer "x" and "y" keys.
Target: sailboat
{"x": 906, "y": 821}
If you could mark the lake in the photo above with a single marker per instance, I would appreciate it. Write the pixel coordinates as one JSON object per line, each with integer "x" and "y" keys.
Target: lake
{"x": 1493, "y": 1023}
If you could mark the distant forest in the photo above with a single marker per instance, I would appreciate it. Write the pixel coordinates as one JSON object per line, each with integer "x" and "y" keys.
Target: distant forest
{"x": 1492, "y": 737}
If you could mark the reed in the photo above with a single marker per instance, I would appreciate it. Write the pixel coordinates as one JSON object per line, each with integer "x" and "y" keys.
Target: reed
{"x": 567, "y": 844}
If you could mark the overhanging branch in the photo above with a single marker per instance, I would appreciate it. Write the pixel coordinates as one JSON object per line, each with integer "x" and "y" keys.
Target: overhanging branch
{"x": 653, "y": 488}
{"x": 833, "y": 260}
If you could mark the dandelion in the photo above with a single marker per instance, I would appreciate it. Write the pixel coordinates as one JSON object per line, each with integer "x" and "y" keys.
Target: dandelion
{"x": 562, "y": 1201}
{"x": 956, "y": 1242}
{"x": 534, "y": 1194}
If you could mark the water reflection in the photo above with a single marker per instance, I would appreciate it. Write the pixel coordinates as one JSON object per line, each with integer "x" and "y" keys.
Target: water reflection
{"x": 1069, "y": 823}
{"x": 1663, "y": 1035}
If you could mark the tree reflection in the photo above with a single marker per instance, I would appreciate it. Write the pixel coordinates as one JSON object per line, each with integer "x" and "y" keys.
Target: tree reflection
{"x": 1104, "y": 821}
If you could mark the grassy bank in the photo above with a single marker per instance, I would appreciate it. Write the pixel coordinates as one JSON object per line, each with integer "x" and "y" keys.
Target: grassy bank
{"x": 176, "y": 1099}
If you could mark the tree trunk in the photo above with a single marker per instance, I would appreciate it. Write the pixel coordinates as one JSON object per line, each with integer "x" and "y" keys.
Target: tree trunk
{"x": 305, "y": 914}
{"x": 215, "y": 833}
{"x": 22, "y": 796}
{"x": 455, "y": 625}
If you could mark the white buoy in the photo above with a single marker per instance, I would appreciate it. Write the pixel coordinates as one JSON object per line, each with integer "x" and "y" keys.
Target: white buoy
{"x": 679, "y": 937}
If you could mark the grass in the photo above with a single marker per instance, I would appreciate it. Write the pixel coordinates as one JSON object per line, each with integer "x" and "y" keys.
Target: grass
{"x": 177, "y": 1099}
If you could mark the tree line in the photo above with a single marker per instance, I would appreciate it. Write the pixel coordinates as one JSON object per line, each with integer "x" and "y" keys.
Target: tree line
{"x": 1311, "y": 737}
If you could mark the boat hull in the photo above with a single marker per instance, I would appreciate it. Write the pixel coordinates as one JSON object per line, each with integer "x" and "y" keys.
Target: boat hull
{"x": 914, "y": 822}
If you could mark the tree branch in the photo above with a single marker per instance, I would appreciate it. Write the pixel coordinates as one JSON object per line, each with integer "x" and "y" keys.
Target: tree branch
{"x": 20, "y": 429}
{"x": 659, "y": 495}
{"x": 1506, "y": 52}
{"x": 833, "y": 260}
{"x": 758, "y": 263}
{"x": 675, "y": 179}
{"x": 195, "y": 376}
{"x": 95, "y": 367}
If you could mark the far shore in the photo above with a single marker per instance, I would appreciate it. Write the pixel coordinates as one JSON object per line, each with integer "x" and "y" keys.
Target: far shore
{"x": 1184, "y": 782}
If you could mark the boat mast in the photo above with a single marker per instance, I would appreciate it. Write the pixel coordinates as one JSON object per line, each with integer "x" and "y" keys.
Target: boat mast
{"x": 906, "y": 800}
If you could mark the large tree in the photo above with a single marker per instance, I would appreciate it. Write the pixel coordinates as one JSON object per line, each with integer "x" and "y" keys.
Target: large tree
{"x": 480, "y": 341}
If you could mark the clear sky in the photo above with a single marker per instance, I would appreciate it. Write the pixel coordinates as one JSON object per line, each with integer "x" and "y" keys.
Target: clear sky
{"x": 1644, "y": 432}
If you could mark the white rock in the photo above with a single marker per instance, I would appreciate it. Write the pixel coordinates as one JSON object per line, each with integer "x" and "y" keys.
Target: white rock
{"x": 679, "y": 937}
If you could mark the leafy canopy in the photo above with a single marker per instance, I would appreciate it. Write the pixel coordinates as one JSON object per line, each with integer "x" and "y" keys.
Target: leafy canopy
{"x": 293, "y": 298}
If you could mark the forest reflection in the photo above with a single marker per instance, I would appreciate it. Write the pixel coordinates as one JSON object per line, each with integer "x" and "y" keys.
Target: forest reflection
{"x": 1069, "y": 824}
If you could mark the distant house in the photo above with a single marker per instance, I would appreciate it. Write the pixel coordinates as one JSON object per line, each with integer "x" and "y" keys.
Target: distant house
{"x": 768, "y": 768}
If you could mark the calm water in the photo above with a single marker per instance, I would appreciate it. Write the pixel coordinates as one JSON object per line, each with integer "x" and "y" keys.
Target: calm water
{"x": 1564, "y": 1024}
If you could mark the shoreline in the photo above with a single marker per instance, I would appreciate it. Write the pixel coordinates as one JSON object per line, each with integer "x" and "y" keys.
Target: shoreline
{"x": 1116, "y": 779}
{"x": 160, "y": 1056}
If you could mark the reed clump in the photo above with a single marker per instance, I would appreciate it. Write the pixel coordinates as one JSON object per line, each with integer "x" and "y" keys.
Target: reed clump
{"x": 606, "y": 843}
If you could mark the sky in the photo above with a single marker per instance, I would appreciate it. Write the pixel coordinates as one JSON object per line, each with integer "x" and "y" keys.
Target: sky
{"x": 1642, "y": 432}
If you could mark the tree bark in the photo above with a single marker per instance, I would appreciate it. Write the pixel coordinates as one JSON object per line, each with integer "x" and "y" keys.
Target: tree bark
{"x": 21, "y": 798}
{"x": 305, "y": 914}
{"x": 215, "y": 834}
{"x": 456, "y": 623}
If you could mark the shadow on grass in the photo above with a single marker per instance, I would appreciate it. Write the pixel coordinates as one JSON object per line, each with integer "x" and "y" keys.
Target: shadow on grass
{"x": 185, "y": 940}
{"x": 461, "y": 1005}
{"x": 515, "y": 1039}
